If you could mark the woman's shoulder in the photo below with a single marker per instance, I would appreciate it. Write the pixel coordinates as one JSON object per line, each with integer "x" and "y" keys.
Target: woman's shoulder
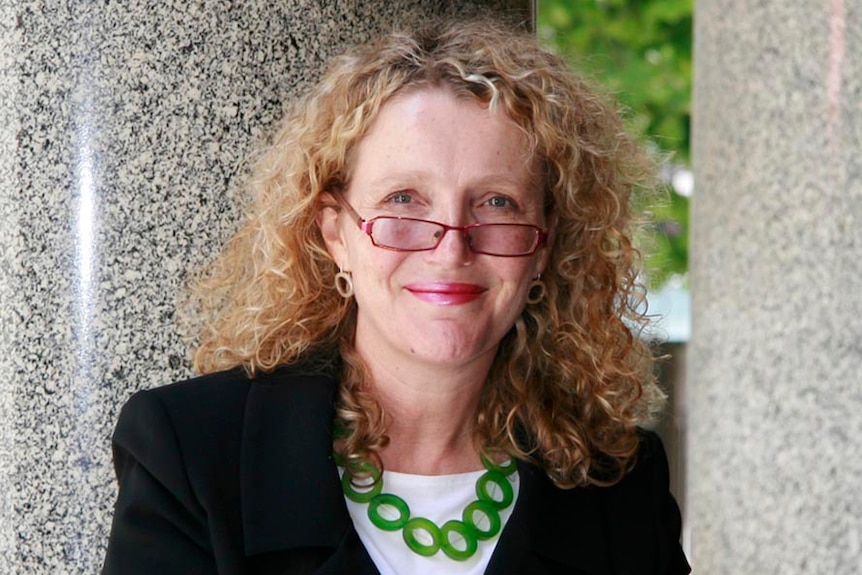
{"x": 633, "y": 499}
{"x": 186, "y": 403}
{"x": 198, "y": 390}
{"x": 648, "y": 473}
{"x": 651, "y": 450}
{"x": 206, "y": 410}
{"x": 191, "y": 416}
{"x": 220, "y": 394}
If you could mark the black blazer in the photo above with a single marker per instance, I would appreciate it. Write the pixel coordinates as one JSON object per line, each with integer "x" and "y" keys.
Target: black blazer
{"x": 230, "y": 476}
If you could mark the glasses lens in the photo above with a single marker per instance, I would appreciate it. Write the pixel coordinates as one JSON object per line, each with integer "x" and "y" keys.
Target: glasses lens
{"x": 492, "y": 239}
{"x": 504, "y": 239}
{"x": 406, "y": 234}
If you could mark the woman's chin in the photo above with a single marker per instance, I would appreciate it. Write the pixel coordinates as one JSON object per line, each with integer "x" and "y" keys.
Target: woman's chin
{"x": 451, "y": 352}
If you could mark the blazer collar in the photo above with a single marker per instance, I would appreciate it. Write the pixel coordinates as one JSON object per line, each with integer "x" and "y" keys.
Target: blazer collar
{"x": 551, "y": 528}
{"x": 292, "y": 497}
{"x": 291, "y": 494}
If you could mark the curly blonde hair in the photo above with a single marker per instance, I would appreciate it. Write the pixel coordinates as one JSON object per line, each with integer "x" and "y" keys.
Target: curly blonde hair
{"x": 571, "y": 381}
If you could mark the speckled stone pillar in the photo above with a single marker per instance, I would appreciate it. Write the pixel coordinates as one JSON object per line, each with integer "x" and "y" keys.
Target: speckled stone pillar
{"x": 775, "y": 365}
{"x": 123, "y": 126}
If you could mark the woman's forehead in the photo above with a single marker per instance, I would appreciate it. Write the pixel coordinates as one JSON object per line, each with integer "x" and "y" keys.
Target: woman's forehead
{"x": 432, "y": 128}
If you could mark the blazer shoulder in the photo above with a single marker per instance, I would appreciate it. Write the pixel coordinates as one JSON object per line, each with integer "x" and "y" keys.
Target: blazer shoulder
{"x": 651, "y": 452}
{"x": 200, "y": 416}
{"x": 204, "y": 412}
{"x": 218, "y": 396}
{"x": 200, "y": 392}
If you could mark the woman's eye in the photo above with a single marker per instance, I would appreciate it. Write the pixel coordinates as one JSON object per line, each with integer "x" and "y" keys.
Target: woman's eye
{"x": 400, "y": 198}
{"x": 500, "y": 202}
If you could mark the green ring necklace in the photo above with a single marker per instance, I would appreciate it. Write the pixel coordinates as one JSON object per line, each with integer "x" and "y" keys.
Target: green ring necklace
{"x": 458, "y": 539}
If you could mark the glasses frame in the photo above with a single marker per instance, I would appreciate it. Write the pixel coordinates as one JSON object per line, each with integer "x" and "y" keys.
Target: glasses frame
{"x": 367, "y": 227}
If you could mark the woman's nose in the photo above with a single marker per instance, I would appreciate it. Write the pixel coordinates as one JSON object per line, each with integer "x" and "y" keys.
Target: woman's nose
{"x": 454, "y": 246}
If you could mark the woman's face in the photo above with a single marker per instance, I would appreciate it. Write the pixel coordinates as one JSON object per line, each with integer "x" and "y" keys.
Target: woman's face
{"x": 430, "y": 155}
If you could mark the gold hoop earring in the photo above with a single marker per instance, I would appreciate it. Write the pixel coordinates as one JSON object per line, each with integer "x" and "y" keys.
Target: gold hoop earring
{"x": 344, "y": 284}
{"x": 536, "y": 293}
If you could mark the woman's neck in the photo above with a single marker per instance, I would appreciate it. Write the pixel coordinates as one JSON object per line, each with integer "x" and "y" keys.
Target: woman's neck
{"x": 431, "y": 416}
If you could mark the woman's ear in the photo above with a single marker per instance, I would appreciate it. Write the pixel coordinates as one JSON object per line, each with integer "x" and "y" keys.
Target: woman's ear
{"x": 328, "y": 222}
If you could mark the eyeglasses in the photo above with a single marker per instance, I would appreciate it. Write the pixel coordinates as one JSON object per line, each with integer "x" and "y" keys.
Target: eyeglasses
{"x": 415, "y": 235}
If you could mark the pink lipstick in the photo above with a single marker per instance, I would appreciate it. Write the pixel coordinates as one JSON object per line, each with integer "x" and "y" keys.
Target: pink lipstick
{"x": 446, "y": 293}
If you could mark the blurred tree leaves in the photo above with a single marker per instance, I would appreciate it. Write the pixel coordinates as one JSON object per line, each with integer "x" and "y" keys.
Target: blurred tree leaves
{"x": 640, "y": 51}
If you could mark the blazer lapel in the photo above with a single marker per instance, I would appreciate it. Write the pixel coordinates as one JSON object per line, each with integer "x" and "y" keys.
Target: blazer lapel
{"x": 350, "y": 558}
{"x": 291, "y": 493}
{"x": 551, "y": 530}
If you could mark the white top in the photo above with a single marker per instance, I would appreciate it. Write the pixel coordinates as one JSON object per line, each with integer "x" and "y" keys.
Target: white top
{"x": 435, "y": 497}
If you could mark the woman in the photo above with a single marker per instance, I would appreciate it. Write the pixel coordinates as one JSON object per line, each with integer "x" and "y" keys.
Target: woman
{"x": 419, "y": 345}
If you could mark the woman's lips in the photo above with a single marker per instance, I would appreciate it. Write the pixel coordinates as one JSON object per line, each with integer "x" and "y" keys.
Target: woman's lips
{"x": 446, "y": 293}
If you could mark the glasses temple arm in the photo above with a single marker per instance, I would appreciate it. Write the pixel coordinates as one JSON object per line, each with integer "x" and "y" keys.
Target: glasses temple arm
{"x": 347, "y": 207}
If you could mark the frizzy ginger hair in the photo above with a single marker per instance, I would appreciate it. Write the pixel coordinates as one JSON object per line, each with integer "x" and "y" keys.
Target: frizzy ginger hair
{"x": 570, "y": 382}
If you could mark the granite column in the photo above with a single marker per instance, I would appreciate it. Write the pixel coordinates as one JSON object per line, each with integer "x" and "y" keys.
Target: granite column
{"x": 775, "y": 412}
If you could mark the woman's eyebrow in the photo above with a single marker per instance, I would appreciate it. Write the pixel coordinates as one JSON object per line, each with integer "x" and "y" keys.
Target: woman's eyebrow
{"x": 412, "y": 177}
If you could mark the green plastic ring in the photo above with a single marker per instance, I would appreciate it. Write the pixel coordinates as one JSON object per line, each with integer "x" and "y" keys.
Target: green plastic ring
{"x": 388, "y": 524}
{"x": 471, "y": 541}
{"x": 500, "y": 481}
{"x": 367, "y": 468}
{"x": 417, "y": 524}
{"x": 506, "y": 469}
{"x": 490, "y": 512}
{"x": 359, "y": 496}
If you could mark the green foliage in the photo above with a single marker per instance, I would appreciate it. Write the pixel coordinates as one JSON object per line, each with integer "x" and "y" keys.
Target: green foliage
{"x": 640, "y": 51}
